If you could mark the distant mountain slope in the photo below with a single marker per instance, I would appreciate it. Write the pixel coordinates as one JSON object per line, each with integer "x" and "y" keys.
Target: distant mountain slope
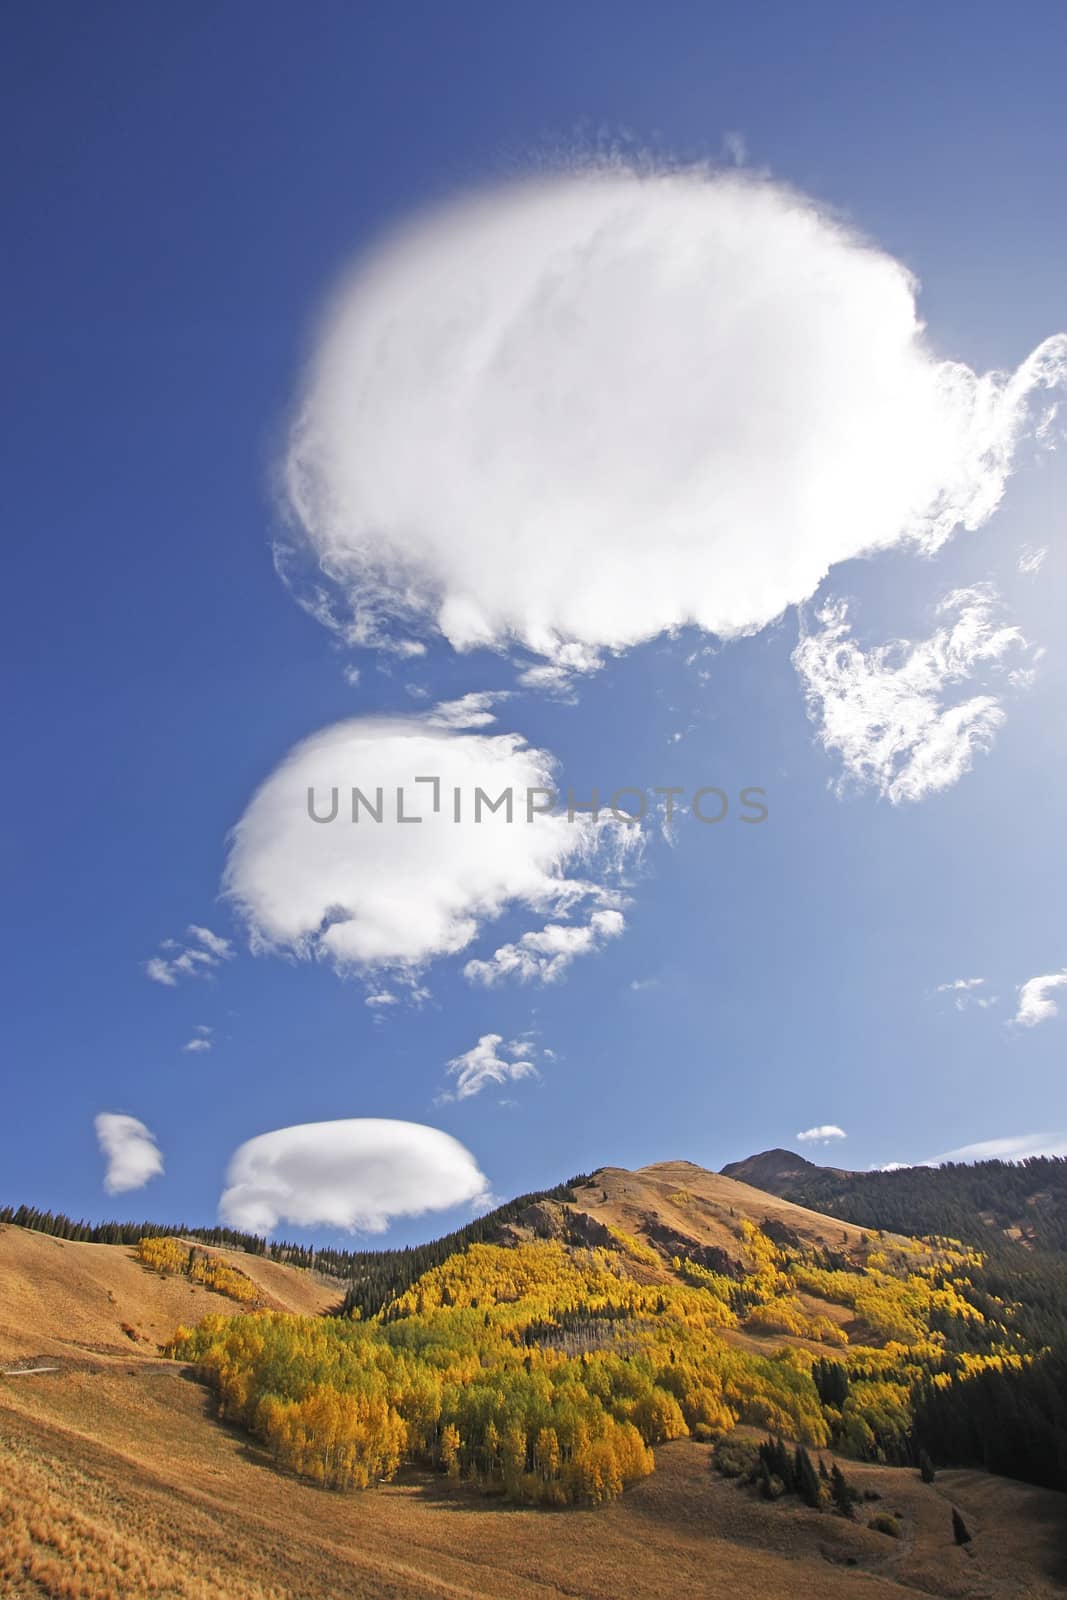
{"x": 673, "y": 1208}
{"x": 1022, "y": 1202}
{"x": 778, "y": 1171}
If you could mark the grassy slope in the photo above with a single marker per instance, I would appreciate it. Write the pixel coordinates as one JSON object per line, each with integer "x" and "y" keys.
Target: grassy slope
{"x": 116, "y": 1477}
{"x": 60, "y": 1297}
{"x": 124, "y": 1468}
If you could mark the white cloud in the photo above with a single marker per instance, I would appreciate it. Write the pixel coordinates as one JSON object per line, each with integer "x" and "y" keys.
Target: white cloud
{"x": 214, "y": 942}
{"x": 197, "y": 1044}
{"x": 470, "y": 711}
{"x": 487, "y": 1062}
{"x": 823, "y": 1134}
{"x": 1016, "y": 1147}
{"x": 360, "y": 1173}
{"x": 351, "y": 675}
{"x": 576, "y": 411}
{"x": 1032, "y": 559}
{"x": 545, "y": 954}
{"x": 381, "y": 997}
{"x": 132, "y": 1153}
{"x": 191, "y": 961}
{"x": 396, "y": 894}
{"x": 883, "y": 710}
{"x": 1035, "y": 999}
{"x": 965, "y": 993}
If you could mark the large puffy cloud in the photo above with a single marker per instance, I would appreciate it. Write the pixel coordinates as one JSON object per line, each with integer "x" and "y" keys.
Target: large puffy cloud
{"x": 372, "y": 894}
{"x": 357, "y": 1173}
{"x": 578, "y": 410}
{"x": 884, "y": 710}
{"x": 130, "y": 1150}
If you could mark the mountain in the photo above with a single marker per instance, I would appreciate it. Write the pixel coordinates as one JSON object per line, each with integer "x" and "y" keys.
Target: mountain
{"x": 989, "y": 1203}
{"x": 779, "y": 1172}
{"x": 554, "y": 1351}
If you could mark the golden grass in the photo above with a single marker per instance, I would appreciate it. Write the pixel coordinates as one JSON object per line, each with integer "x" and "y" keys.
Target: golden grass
{"x": 120, "y": 1481}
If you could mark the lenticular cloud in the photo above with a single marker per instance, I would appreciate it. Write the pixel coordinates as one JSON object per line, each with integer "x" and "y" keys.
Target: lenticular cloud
{"x": 357, "y": 1173}
{"x": 573, "y": 412}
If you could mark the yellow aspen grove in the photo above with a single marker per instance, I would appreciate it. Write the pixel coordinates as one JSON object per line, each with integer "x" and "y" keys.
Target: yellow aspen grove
{"x": 546, "y": 1374}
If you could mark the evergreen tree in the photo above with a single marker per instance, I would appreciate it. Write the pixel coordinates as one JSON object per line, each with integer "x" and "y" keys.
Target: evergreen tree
{"x": 841, "y": 1492}
{"x": 806, "y": 1479}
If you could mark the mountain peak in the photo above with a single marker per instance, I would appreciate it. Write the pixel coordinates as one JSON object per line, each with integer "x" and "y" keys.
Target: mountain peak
{"x": 774, "y": 1170}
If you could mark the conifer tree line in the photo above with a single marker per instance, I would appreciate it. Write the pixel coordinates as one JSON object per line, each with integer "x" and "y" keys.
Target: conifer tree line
{"x": 375, "y": 1276}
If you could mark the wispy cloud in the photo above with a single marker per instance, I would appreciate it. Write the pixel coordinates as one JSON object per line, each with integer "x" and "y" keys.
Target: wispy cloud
{"x": 130, "y": 1150}
{"x": 545, "y": 954}
{"x": 965, "y": 993}
{"x": 195, "y": 960}
{"x": 1014, "y": 1147}
{"x": 489, "y": 1061}
{"x": 1035, "y": 999}
{"x": 1032, "y": 559}
{"x": 469, "y": 711}
{"x": 884, "y": 710}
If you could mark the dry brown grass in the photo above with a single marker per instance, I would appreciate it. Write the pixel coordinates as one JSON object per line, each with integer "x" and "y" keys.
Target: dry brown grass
{"x": 59, "y": 1533}
{"x": 115, "y": 1481}
{"x": 120, "y": 1476}
{"x": 61, "y": 1297}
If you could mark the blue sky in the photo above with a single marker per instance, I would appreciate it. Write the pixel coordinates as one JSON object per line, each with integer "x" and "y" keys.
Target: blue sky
{"x": 183, "y": 189}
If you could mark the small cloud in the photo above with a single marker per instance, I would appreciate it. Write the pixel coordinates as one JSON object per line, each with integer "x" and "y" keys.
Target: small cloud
{"x": 486, "y": 1063}
{"x": 190, "y": 960}
{"x": 381, "y": 997}
{"x": 965, "y": 993}
{"x": 131, "y": 1151}
{"x": 218, "y": 946}
{"x": 639, "y": 985}
{"x": 351, "y": 675}
{"x": 545, "y": 954}
{"x": 1035, "y": 999}
{"x": 1032, "y": 559}
{"x": 823, "y": 1134}
{"x": 361, "y": 1173}
{"x": 470, "y": 711}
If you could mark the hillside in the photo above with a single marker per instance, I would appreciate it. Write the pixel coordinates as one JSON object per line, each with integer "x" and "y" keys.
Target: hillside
{"x": 778, "y": 1171}
{"x": 984, "y": 1202}
{"x": 64, "y": 1299}
{"x": 538, "y": 1359}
